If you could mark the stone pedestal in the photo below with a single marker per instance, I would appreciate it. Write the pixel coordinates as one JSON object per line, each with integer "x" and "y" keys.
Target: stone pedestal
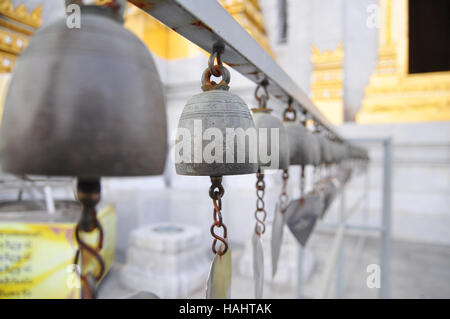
{"x": 166, "y": 259}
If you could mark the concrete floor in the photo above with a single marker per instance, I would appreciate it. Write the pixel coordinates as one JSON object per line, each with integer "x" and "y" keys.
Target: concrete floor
{"x": 418, "y": 270}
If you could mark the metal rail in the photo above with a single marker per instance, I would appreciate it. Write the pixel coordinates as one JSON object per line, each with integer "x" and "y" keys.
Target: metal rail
{"x": 206, "y": 23}
{"x": 336, "y": 260}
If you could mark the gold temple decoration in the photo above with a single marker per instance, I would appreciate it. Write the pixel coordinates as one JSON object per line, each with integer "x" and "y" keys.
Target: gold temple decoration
{"x": 16, "y": 27}
{"x": 167, "y": 44}
{"x": 20, "y": 14}
{"x": 248, "y": 14}
{"x": 327, "y": 82}
{"x": 161, "y": 40}
{"x": 394, "y": 95}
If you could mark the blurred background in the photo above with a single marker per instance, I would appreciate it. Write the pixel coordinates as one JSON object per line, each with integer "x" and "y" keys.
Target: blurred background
{"x": 375, "y": 68}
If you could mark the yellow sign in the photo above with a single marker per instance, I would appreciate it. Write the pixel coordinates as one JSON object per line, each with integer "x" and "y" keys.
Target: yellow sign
{"x": 36, "y": 258}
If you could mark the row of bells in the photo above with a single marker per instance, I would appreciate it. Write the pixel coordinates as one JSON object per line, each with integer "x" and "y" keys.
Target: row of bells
{"x": 89, "y": 102}
{"x": 297, "y": 145}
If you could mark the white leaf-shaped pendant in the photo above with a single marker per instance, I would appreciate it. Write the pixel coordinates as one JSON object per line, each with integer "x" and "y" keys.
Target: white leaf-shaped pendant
{"x": 277, "y": 237}
{"x": 219, "y": 280}
{"x": 258, "y": 265}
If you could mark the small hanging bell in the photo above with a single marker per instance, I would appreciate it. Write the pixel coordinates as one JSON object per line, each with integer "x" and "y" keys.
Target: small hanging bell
{"x": 315, "y": 150}
{"x": 299, "y": 144}
{"x": 265, "y": 124}
{"x": 219, "y": 114}
{"x": 224, "y": 115}
{"x": 325, "y": 149}
{"x": 265, "y": 121}
{"x": 85, "y": 102}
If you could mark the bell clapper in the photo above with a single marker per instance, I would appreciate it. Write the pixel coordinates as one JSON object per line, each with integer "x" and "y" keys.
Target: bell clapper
{"x": 88, "y": 193}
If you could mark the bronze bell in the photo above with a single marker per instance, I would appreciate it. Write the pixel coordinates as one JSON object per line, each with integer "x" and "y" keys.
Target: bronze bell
{"x": 265, "y": 120}
{"x": 215, "y": 110}
{"x": 85, "y": 102}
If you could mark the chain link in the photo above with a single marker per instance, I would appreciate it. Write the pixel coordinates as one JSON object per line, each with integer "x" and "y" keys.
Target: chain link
{"x": 284, "y": 198}
{"x": 216, "y": 192}
{"x": 302, "y": 185}
{"x": 262, "y": 85}
{"x": 289, "y": 114}
{"x": 260, "y": 213}
{"x": 88, "y": 194}
{"x": 215, "y": 56}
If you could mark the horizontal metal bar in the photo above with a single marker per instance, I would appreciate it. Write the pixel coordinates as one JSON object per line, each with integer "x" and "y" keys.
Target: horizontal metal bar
{"x": 368, "y": 139}
{"x": 354, "y": 208}
{"x": 206, "y": 23}
{"x": 323, "y": 226}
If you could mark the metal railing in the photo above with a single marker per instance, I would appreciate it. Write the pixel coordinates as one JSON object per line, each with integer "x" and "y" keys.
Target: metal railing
{"x": 334, "y": 267}
{"x": 206, "y": 23}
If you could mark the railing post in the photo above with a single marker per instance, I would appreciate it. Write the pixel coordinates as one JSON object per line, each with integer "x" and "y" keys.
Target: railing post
{"x": 386, "y": 221}
{"x": 300, "y": 272}
{"x": 340, "y": 261}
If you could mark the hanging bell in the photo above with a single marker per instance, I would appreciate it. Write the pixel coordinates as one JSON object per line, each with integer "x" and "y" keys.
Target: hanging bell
{"x": 315, "y": 149}
{"x": 208, "y": 130}
{"x": 299, "y": 142}
{"x": 325, "y": 149}
{"x": 334, "y": 152}
{"x": 264, "y": 120}
{"x": 85, "y": 102}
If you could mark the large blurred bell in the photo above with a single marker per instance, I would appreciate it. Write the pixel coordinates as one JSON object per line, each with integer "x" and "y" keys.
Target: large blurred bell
{"x": 85, "y": 102}
{"x": 265, "y": 120}
{"x": 215, "y": 109}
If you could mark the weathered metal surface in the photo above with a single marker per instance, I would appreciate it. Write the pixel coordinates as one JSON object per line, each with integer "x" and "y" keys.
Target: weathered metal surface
{"x": 85, "y": 102}
{"x": 222, "y": 110}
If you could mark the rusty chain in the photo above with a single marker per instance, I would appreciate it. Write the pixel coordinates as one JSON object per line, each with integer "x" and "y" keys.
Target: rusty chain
{"x": 216, "y": 192}
{"x": 215, "y": 56}
{"x": 88, "y": 193}
{"x": 289, "y": 114}
{"x": 260, "y": 213}
{"x": 262, "y": 85}
{"x": 217, "y": 70}
{"x": 303, "y": 167}
{"x": 302, "y": 185}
